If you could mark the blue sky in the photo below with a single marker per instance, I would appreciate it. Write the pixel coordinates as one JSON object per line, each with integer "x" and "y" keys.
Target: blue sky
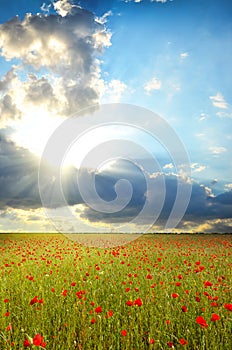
{"x": 170, "y": 57}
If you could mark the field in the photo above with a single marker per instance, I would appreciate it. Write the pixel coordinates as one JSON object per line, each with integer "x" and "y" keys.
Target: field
{"x": 157, "y": 292}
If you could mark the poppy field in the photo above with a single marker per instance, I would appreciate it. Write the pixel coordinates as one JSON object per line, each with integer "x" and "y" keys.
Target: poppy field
{"x": 156, "y": 292}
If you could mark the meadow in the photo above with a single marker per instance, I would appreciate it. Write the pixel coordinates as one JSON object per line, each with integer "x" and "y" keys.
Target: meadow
{"x": 156, "y": 292}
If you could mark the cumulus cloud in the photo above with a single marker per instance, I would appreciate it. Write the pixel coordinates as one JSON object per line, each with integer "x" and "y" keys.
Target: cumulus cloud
{"x": 63, "y": 50}
{"x": 216, "y": 150}
{"x": 197, "y": 168}
{"x": 63, "y": 7}
{"x": 214, "y": 182}
{"x": 219, "y": 101}
{"x": 203, "y": 205}
{"x": 168, "y": 166}
{"x": 113, "y": 90}
{"x": 153, "y": 84}
{"x": 227, "y": 114}
{"x": 8, "y": 107}
{"x": 45, "y": 7}
{"x": 19, "y": 191}
{"x": 184, "y": 55}
{"x": 24, "y": 220}
{"x": 18, "y": 180}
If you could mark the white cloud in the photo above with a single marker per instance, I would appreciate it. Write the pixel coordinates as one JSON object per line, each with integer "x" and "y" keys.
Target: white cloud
{"x": 216, "y": 150}
{"x": 197, "y": 168}
{"x": 63, "y": 7}
{"x": 228, "y": 187}
{"x": 200, "y": 134}
{"x": 184, "y": 55}
{"x": 168, "y": 166}
{"x": 20, "y": 220}
{"x": 113, "y": 91}
{"x": 153, "y": 84}
{"x": 103, "y": 19}
{"x": 202, "y": 117}
{"x": 45, "y": 7}
{"x": 224, "y": 114}
{"x": 62, "y": 53}
{"x": 219, "y": 101}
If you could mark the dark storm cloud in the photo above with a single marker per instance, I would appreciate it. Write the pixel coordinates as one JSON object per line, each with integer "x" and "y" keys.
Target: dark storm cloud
{"x": 19, "y": 189}
{"x": 19, "y": 179}
{"x": 202, "y": 206}
{"x": 18, "y": 176}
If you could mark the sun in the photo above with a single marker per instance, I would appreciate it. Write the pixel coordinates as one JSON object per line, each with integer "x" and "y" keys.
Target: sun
{"x": 34, "y": 129}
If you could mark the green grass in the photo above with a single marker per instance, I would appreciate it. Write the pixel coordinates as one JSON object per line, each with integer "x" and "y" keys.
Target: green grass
{"x": 148, "y": 269}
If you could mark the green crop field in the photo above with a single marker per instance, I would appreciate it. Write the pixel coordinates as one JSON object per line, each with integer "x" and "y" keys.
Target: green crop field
{"x": 156, "y": 292}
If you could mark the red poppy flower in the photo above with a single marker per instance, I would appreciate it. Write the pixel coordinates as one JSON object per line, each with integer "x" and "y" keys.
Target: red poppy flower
{"x": 109, "y": 314}
{"x": 7, "y": 313}
{"x": 93, "y": 320}
{"x": 214, "y": 304}
{"x": 6, "y": 300}
{"x": 175, "y": 295}
{"x": 149, "y": 277}
{"x": 215, "y": 317}
{"x": 183, "y": 341}
{"x": 201, "y": 321}
{"x": 26, "y": 343}
{"x": 98, "y": 310}
{"x": 208, "y": 284}
{"x": 138, "y": 302}
{"x": 129, "y": 303}
{"x": 152, "y": 341}
{"x": 228, "y": 307}
{"x": 124, "y": 333}
{"x": 184, "y": 308}
{"x": 170, "y": 344}
{"x": 38, "y": 340}
{"x": 34, "y": 300}
{"x": 9, "y": 328}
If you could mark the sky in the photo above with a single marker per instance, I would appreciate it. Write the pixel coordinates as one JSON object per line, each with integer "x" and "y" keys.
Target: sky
{"x": 115, "y": 116}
